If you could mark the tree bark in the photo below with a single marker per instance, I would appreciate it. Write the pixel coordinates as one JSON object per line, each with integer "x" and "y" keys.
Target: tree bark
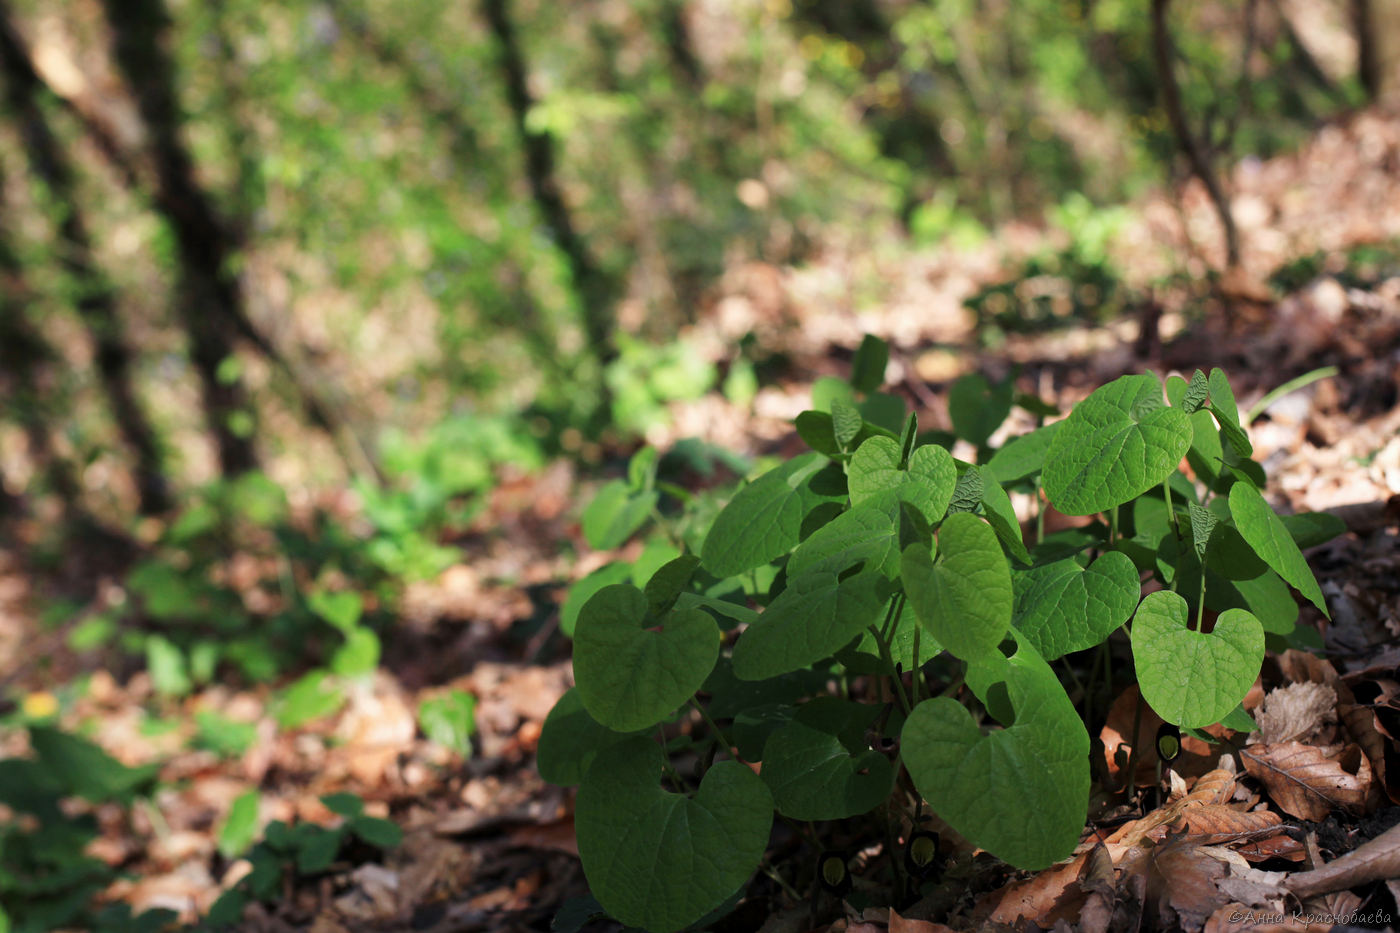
{"x": 96, "y": 304}
{"x": 23, "y": 353}
{"x": 211, "y": 302}
{"x": 595, "y": 288}
{"x": 1191, "y": 147}
{"x": 1377, "y": 24}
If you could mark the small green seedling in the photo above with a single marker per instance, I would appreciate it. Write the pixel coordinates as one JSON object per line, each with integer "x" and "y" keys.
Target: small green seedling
{"x": 880, "y": 554}
{"x": 303, "y": 849}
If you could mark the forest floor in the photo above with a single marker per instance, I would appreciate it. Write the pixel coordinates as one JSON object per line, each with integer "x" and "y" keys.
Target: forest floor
{"x": 489, "y": 846}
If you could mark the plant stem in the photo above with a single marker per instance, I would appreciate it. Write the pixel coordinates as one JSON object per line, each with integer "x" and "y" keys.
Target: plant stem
{"x": 892, "y": 616}
{"x": 1171, "y": 512}
{"x": 1131, "y": 783}
{"x": 772, "y": 872}
{"x": 917, "y": 673}
{"x": 1292, "y": 385}
{"x": 666, "y": 766}
{"x": 667, "y": 528}
{"x": 1201, "y": 601}
{"x": 1040, "y": 509}
{"x": 714, "y": 727}
{"x": 896, "y": 688}
{"x": 1112, "y": 527}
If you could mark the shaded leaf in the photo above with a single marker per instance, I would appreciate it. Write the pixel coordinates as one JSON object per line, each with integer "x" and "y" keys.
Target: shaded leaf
{"x": 1029, "y": 797}
{"x": 965, "y": 599}
{"x": 633, "y": 671}
{"x": 764, "y": 520}
{"x": 812, "y": 619}
{"x": 698, "y": 850}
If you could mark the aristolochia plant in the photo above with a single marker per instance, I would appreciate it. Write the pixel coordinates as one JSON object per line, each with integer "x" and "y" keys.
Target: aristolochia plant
{"x": 879, "y": 555}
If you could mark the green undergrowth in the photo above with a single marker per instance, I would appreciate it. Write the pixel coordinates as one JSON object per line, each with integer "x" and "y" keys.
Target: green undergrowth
{"x": 763, "y": 626}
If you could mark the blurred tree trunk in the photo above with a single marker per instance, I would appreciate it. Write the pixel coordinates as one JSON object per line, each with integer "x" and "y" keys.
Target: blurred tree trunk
{"x": 211, "y": 302}
{"x": 675, "y": 31}
{"x": 596, "y": 289}
{"x": 1191, "y": 147}
{"x": 23, "y": 354}
{"x": 1377, "y": 25}
{"x": 96, "y": 299}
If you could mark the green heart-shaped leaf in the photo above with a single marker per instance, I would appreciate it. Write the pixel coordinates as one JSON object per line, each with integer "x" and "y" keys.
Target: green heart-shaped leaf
{"x": 631, "y": 672}
{"x": 868, "y": 368}
{"x": 764, "y": 520}
{"x": 812, "y": 619}
{"x": 1118, "y": 443}
{"x": 927, "y": 483}
{"x": 582, "y": 591}
{"x": 860, "y": 535}
{"x": 615, "y": 512}
{"x": 1022, "y": 792}
{"x": 1063, "y": 607}
{"x": 570, "y": 739}
{"x": 977, "y": 407}
{"x": 1024, "y": 456}
{"x": 1194, "y": 679}
{"x": 658, "y": 860}
{"x": 817, "y": 768}
{"x": 964, "y": 600}
{"x": 1269, "y": 537}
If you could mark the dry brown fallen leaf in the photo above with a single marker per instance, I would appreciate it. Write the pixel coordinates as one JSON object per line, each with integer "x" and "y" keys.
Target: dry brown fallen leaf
{"x": 900, "y": 924}
{"x": 1305, "y": 782}
{"x": 1200, "y": 817}
{"x": 1371, "y": 861}
{"x": 1196, "y": 756}
{"x": 1295, "y": 712}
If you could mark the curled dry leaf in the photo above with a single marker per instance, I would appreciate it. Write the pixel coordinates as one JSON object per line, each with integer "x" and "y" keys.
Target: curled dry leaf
{"x": 1281, "y": 846}
{"x": 1362, "y": 725}
{"x": 1098, "y": 881}
{"x": 1219, "y": 821}
{"x": 1295, "y": 712}
{"x": 1308, "y": 784}
{"x": 900, "y": 924}
{"x": 1068, "y": 889}
{"x": 1038, "y": 897}
{"x": 1181, "y": 879}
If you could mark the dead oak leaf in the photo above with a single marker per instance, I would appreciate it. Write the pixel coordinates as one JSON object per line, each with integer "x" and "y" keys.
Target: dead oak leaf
{"x": 1306, "y": 783}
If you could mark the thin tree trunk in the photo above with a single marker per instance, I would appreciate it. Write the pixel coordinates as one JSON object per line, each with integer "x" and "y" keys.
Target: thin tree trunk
{"x": 675, "y": 31}
{"x": 211, "y": 303}
{"x": 596, "y": 290}
{"x": 23, "y": 354}
{"x": 1191, "y": 147}
{"x": 96, "y": 301}
{"x": 1368, "y": 66}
